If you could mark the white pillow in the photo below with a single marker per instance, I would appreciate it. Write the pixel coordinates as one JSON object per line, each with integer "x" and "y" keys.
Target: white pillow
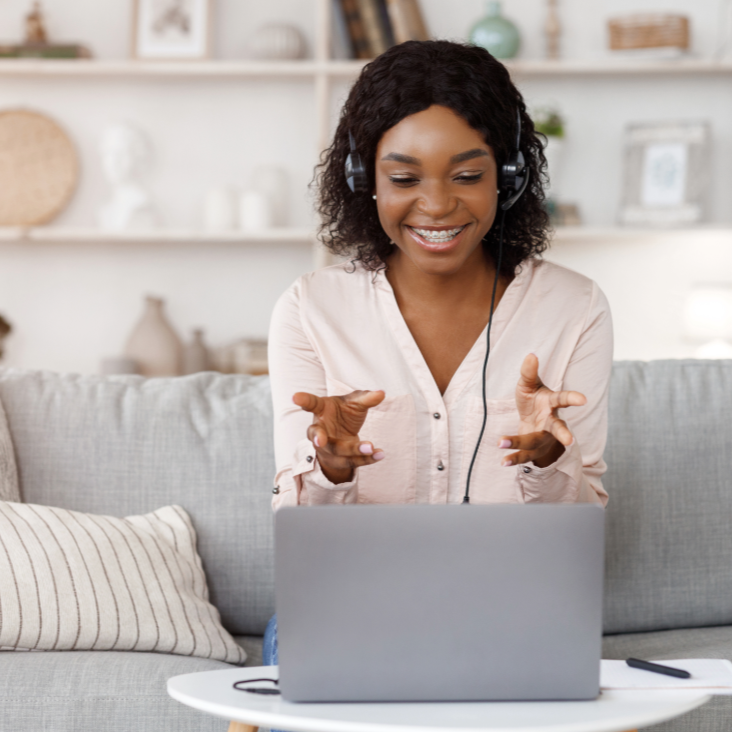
{"x": 9, "y": 488}
{"x": 77, "y": 581}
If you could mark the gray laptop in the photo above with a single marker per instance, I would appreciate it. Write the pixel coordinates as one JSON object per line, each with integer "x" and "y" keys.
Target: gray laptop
{"x": 439, "y": 603}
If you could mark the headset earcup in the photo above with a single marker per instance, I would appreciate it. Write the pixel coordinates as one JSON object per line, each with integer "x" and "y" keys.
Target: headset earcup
{"x": 356, "y": 173}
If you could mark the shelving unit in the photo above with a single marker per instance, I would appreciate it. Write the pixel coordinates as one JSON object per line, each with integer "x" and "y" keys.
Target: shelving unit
{"x": 160, "y": 236}
{"x": 341, "y": 69}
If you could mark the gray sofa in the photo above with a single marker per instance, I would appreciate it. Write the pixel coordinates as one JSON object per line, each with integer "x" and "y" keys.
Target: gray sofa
{"x": 125, "y": 445}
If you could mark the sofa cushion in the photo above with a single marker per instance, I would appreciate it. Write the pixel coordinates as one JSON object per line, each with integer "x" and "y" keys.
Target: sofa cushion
{"x": 716, "y": 715}
{"x": 78, "y": 581}
{"x": 9, "y": 488}
{"x": 86, "y": 691}
{"x": 127, "y": 445}
{"x": 669, "y": 543}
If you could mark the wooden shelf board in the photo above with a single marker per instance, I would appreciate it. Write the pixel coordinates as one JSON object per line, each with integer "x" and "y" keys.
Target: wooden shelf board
{"x": 137, "y": 69}
{"x": 163, "y": 236}
{"x": 344, "y": 69}
{"x": 579, "y": 234}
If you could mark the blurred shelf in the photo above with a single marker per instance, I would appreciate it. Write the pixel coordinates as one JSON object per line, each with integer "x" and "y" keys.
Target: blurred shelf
{"x": 141, "y": 69}
{"x": 620, "y": 67}
{"x": 162, "y": 236}
{"x": 344, "y": 69}
{"x": 580, "y": 234}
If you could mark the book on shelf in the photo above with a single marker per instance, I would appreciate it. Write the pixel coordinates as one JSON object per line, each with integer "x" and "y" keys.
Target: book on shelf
{"x": 360, "y": 46}
{"x": 340, "y": 43}
{"x": 407, "y": 21}
{"x": 366, "y": 28}
{"x": 377, "y": 32}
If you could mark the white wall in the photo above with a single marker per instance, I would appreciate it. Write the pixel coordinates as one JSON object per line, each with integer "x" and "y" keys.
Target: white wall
{"x": 73, "y": 304}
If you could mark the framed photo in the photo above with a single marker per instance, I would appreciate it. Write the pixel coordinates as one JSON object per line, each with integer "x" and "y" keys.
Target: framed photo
{"x": 666, "y": 174}
{"x": 172, "y": 29}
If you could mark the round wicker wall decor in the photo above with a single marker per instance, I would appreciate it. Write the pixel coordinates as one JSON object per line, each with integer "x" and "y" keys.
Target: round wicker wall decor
{"x": 39, "y": 168}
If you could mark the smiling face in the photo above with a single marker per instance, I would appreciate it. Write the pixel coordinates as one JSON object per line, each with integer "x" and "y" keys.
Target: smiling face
{"x": 436, "y": 190}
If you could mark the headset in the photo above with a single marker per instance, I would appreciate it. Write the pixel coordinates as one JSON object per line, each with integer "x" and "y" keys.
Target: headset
{"x": 513, "y": 181}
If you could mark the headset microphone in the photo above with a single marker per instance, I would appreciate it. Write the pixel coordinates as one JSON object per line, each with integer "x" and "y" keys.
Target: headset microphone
{"x": 355, "y": 169}
{"x": 514, "y": 180}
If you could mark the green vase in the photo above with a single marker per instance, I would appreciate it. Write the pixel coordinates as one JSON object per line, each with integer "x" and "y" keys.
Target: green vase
{"x": 499, "y": 36}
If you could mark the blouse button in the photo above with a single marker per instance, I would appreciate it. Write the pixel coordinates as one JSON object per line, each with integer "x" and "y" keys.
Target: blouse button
{"x": 309, "y": 458}
{"x": 527, "y": 469}
{"x": 440, "y": 466}
{"x": 436, "y": 415}
{"x": 276, "y": 489}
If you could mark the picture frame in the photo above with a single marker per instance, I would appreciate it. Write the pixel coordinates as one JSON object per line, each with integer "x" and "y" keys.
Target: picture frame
{"x": 666, "y": 174}
{"x": 172, "y": 30}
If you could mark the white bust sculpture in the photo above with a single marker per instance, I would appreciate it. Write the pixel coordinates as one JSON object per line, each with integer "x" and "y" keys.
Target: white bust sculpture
{"x": 126, "y": 156}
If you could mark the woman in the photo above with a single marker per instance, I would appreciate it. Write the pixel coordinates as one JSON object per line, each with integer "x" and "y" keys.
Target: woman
{"x": 378, "y": 365}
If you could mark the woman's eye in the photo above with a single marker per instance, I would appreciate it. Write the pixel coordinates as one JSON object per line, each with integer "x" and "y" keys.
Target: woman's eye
{"x": 402, "y": 180}
{"x": 470, "y": 178}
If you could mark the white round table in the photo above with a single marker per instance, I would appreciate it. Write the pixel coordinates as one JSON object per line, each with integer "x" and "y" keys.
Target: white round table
{"x": 613, "y": 711}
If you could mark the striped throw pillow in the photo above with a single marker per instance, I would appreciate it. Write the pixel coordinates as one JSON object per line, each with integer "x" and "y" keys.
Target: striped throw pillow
{"x": 9, "y": 489}
{"x": 77, "y": 581}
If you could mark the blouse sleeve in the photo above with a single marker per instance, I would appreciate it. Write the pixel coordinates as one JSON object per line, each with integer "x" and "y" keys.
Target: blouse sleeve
{"x": 576, "y": 475}
{"x": 294, "y": 366}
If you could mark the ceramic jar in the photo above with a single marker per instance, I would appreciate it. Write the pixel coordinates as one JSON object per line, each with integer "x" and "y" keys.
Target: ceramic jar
{"x": 219, "y": 210}
{"x": 498, "y": 35}
{"x": 195, "y": 354}
{"x": 153, "y": 344}
{"x": 255, "y": 211}
{"x": 277, "y": 41}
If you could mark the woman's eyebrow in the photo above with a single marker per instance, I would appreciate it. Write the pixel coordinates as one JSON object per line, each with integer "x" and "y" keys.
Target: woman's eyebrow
{"x": 476, "y": 152}
{"x": 399, "y": 158}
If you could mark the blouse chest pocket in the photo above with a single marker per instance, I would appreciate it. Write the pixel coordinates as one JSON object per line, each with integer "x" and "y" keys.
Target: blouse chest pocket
{"x": 391, "y": 427}
{"x": 490, "y": 482}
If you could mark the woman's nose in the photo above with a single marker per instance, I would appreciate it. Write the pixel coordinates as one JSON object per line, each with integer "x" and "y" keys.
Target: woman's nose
{"x": 436, "y": 201}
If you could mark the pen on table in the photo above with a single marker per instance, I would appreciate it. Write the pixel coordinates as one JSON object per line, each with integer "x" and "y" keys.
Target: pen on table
{"x": 657, "y": 668}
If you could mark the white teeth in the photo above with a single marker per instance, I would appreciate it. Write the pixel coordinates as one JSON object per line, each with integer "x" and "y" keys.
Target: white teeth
{"x": 443, "y": 235}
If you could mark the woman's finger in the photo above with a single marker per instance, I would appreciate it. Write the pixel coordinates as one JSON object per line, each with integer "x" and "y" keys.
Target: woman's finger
{"x": 561, "y": 399}
{"x": 530, "y": 441}
{"x": 309, "y": 402}
{"x": 366, "y": 399}
{"x": 529, "y": 378}
{"x": 560, "y": 430}
{"x": 335, "y": 462}
{"x": 317, "y": 435}
{"x": 517, "y": 458}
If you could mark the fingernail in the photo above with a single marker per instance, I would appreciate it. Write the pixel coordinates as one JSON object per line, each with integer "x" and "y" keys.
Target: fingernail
{"x": 379, "y": 456}
{"x": 504, "y": 443}
{"x": 505, "y": 463}
{"x": 316, "y": 441}
{"x": 365, "y": 448}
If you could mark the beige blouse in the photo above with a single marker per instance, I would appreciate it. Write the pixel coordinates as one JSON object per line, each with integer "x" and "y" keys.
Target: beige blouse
{"x": 340, "y": 329}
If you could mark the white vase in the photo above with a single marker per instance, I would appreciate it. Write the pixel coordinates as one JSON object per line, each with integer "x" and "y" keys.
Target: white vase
{"x": 277, "y": 41}
{"x": 272, "y": 181}
{"x": 195, "y": 354}
{"x": 553, "y": 153}
{"x": 219, "y": 210}
{"x": 153, "y": 344}
{"x": 255, "y": 211}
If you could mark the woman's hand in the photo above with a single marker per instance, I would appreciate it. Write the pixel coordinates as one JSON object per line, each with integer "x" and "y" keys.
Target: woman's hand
{"x": 542, "y": 436}
{"x": 334, "y": 431}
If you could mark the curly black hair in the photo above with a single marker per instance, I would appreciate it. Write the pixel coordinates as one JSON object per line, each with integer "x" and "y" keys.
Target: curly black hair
{"x": 407, "y": 79}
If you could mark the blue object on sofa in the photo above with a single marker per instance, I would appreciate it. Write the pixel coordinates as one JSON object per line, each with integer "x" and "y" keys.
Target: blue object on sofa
{"x": 125, "y": 445}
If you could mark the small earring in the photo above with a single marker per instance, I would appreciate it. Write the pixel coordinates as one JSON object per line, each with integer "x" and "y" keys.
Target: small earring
{"x": 374, "y": 196}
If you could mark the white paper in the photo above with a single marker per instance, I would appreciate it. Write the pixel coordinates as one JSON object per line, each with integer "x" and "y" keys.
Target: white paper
{"x": 664, "y": 174}
{"x": 713, "y": 675}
